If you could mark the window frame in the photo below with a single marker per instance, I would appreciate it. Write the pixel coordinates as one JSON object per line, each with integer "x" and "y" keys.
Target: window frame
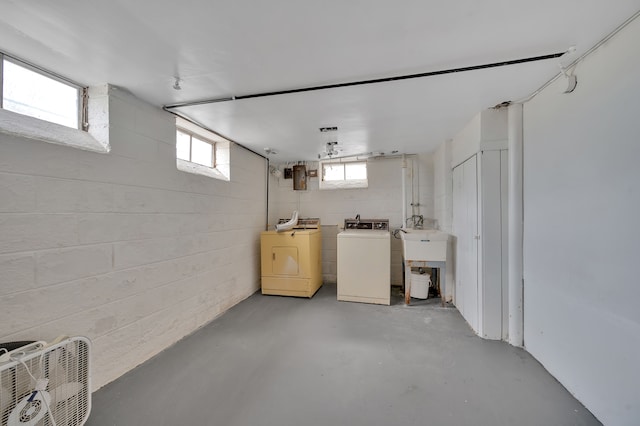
{"x": 221, "y": 151}
{"x": 200, "y": 138}
{"x": 82, "y": 91}
{"x": 344, "y": 183}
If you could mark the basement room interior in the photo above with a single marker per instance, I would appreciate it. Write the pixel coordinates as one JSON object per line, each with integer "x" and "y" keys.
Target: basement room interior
{"x": 301, "y": 213}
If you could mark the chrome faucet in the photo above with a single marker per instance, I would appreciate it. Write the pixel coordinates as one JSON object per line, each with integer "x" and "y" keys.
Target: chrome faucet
{"x": 418, "y": 221}
{"x": 358, "y": 218}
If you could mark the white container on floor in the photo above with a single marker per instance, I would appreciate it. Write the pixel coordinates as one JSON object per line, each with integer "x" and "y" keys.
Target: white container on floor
{"x": 420, "y": 285}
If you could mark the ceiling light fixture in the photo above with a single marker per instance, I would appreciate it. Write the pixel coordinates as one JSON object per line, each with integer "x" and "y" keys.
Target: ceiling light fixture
{"x": 270, "y": 151}
{"x": 330, "y": 151}
{"x": 275, "y": 172}
{"x": 331, "y": 148}
{"x": 331, "y": 138}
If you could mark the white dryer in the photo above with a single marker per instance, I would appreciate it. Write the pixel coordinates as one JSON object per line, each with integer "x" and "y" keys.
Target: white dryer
{"x": 364, "y": 261}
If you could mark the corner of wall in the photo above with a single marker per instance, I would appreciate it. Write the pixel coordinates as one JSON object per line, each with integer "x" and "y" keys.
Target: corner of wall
{"x": 98, "y": 114}
{"x": 494, "y": 124}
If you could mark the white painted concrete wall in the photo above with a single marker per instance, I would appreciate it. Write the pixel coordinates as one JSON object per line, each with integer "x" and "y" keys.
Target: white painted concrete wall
{"x": 382, "y": 199}
{"x": 443, "y": 187}
{"x": 582, "y": 232}
{"x": 122, "y": 247}
{"x": 466, "y": 142}
{"x": 487, "y": 130}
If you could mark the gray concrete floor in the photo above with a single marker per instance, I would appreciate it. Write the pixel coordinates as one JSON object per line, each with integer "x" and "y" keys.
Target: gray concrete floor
{"x": 286, "y": 361}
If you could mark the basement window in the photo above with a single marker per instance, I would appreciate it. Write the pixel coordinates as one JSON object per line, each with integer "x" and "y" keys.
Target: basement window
{"x": 200, "y": 151}
{"x": 40, "y": 106}
{"x": 344, "y": 175}
{"x": 30, "y": 91}
{"x": 194, "y": 149}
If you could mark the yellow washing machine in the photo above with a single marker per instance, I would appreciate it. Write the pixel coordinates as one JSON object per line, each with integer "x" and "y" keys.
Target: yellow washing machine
{"x": 291, "y": 261}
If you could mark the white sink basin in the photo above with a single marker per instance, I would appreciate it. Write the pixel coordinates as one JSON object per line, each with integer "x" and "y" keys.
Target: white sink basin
{"x": 424, "y": 245}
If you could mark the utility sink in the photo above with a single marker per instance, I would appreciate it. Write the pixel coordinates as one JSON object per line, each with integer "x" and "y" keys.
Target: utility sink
{"x": 424, "y": 245}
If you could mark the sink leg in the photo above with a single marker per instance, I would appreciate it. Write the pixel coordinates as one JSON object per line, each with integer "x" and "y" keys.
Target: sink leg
{"x": 441, "y": 277}
{"x": 407, "y": 283}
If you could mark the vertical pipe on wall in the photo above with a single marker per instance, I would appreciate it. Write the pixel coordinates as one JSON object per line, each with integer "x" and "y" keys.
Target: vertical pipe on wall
{"x": 415, "y": 185}
{"x": 268, "y": 178}
{"x": 515, "y": 219}
{"x": 404, "y": 191}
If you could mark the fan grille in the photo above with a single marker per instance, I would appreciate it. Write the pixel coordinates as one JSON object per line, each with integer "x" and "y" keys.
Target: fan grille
{"x": 66, "y": 366}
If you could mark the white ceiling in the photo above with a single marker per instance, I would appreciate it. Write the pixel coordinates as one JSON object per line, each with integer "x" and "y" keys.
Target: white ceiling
{"x": 230, "y": 48}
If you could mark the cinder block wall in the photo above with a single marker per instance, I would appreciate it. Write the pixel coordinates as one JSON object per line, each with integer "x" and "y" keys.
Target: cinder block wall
{"x": 122, "y": 247}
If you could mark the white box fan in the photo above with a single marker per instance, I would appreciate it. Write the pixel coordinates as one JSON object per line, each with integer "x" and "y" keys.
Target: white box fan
{"x": 46, "y": 384}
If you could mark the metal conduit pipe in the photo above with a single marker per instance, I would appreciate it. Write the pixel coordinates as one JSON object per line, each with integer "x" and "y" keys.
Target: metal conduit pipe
{"x": 363, "y": 82}
{"x": 580, "y": 58}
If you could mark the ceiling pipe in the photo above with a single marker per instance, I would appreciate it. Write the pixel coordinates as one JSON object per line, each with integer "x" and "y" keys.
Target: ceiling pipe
{"x": 363, "y": 82}
{"x": 213, "y": 131}
{"x": 580, "y": 59}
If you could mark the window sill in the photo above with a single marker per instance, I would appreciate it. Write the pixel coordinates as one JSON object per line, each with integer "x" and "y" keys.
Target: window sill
{"x": 350, "y": 184}
{"x": 197, "y": 169}
{"x": 15, "y": 124}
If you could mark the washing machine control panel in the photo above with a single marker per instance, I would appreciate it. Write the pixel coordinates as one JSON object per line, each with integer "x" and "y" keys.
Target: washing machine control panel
{"x": 367, "y": 224}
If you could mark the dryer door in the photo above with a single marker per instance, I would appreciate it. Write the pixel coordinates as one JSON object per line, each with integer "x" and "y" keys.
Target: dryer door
{"x": 284, "y": 260}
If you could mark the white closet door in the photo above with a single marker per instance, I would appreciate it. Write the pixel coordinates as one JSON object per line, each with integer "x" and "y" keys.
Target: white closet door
{"x": 465, "y": 222}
